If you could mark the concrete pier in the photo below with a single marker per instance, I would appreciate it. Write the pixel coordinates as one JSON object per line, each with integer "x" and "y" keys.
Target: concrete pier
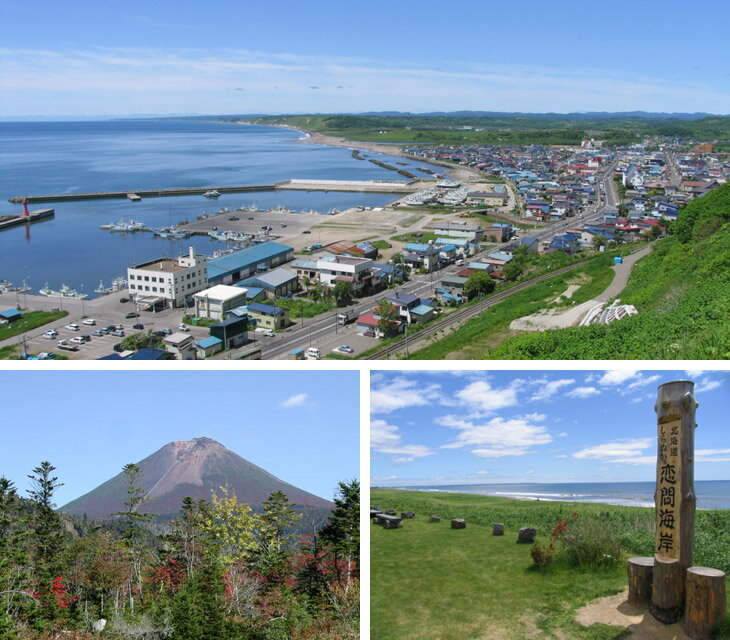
{"x": 358, "y": 186}
{"x": 34, "y": 216}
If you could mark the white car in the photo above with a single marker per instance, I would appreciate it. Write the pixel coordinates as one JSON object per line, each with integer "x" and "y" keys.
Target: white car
{"x": 78, "y": 340}
{"x": 50, "y": 334}
{"x": 72, "y": 327}
{"x": 90, "y": 321}
{"x": 183, "y": 327}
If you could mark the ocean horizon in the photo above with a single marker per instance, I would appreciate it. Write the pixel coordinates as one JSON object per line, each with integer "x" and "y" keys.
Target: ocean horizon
{"x": 711, "y": 494}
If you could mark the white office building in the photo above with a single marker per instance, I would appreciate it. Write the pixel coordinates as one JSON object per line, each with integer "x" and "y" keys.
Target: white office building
{"x": 215, "y": 302}
{"x": 169, "y": 281}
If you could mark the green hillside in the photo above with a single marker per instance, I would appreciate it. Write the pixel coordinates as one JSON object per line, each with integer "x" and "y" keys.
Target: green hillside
{"x": 682, "y": 293}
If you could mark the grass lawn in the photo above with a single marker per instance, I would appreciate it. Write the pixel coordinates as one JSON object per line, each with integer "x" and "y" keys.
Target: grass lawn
{"x": 429, "y": 582}
{"x": 6, "y": 353}
{"x": 304, "y": 308}
{"x": 30, "y": 320}
{"x": 381, "y": 244}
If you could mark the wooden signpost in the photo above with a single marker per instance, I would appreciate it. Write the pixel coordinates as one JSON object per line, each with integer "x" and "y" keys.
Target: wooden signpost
{"x": 667, "y": 581}
{"x": 674, "y": 498}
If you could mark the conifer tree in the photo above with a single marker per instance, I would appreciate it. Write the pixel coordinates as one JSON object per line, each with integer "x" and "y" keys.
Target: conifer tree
{"x": 275, "y": 535}
{"x": 343, "y": 531}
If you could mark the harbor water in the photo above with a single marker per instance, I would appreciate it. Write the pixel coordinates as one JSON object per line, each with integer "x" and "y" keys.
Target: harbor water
{"x": 77, "y": 157}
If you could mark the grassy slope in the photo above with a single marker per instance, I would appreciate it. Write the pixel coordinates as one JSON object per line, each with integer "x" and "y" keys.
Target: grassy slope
{"x": 682, "y": 292}
{"x": 431, "y": 582}
{"x": 473, "y": 337}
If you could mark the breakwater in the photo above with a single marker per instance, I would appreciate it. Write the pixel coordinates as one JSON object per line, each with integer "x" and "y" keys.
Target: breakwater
{"x": 362, "y": 186}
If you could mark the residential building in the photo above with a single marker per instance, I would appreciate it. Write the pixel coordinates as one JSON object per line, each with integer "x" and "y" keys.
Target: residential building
{"x": 181, "y": 345}
{"x": 268, "y": 316}
{"x": 459, "y": 230}
{"x": 355, "y": 271}
{"x": 169, "y": 282}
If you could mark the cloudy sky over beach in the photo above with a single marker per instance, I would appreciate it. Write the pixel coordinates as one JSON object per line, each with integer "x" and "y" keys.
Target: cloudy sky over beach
{"x": 432, "y": 428}
{"x": 89, "y": 58}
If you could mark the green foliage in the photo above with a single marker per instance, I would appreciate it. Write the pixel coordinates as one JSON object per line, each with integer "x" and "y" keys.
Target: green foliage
{"x": 28, "y": 321}
{"x": 138, "y": 341}
{"x": 478, "y": 284}
{"x": 381, "y": 244}
{"x": 300, "y": 308}
{"x": 387, "y": 314}
{"x": 703, "y": 216}
{"x": 197, "y": 609}
{"x": 343, "y": 293}
{"x": 590, "y": 543}
{"x": 275, "y": 535}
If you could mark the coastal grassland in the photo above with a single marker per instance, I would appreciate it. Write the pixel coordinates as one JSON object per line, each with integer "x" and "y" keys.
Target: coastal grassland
{"x": 504, "y": 128}
{"x": 431, "y": 582}
{"x": 28, "y": 321}
{"x": 682, "y": 293}
{"x": 476, "y": 337}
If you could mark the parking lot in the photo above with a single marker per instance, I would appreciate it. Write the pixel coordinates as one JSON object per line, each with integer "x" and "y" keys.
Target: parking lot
{"x": 105, "y": 310}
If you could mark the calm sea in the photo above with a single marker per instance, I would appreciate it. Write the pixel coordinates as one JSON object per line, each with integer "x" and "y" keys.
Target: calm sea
{"x": 76, "y": 157}
{"x": 710, "y": 494}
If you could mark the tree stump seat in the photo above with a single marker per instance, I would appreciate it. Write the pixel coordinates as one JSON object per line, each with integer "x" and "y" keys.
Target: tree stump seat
{"x": 458, "y": 523}
{"x": 641, "y": 571}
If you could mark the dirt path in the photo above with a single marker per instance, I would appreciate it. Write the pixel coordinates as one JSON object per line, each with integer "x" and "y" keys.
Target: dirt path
{"x": 617, "y": 612}
{"x": 542, "y": 321}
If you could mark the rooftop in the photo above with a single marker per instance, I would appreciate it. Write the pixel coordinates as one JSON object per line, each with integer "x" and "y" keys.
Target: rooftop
{"x": 221, "y": 292}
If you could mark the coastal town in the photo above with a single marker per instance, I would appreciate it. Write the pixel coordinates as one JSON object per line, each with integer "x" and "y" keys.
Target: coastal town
{"x": 311, "y": 287}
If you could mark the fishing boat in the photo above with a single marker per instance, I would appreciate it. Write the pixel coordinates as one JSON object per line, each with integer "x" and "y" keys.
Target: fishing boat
{"x": 124, "y": 226}
{"x": 101, "y": 289}
{"x": 119, "y": 283}
{"x": 333, "y": 212}
{"x": 280, "y": 209}
{"x": 212, "y": 194}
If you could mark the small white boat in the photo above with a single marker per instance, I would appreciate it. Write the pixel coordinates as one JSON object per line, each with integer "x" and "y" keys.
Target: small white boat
{"x": 212, "y": 194}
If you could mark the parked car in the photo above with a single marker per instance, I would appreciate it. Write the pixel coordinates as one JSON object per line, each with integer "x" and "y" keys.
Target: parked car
{"x": 306, "y": 231}
{"x": 50, "y": 334}
{"x": 233, "y": 218}
{"x": 90, "y": 321}
{"x": 86, "y": 337}
{"x": 164, "y": 332}
{"x": 139, "y": 326}
{"x": 183, "y": 327}
{"x": 131, "y": 314}
{"x": 77, "y": 340}
{"x": 118, "y": 333}
{"x": 118, "y": 347}
{"x": 109, "y": 329}
{"x": 72, "y": 327}
{"x": 345, "y": 348}
{"x": 99, "y": 332}
{"x": 123, "y": 300}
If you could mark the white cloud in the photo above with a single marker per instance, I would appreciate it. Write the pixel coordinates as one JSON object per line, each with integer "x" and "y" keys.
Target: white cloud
{"x": 383, "y": 479}
{"x": 386, "y": 438}
{"x": 496, "y": 438}
{"x": 297, "y": 400}
{"x": 613, "y": 378}
{"x": 694, "y": 373}
{"x": 481, "y": 472}
{"x": 712, "y": 455}
{"x": 482, "y": 396}
{"x": 549, "y": 389}
{"x": 619, "y": 452}
{"x": 642, "y": 381}
{"x": 152, "y": 79}
{"x": 583, "y": 392}
{"x": 401, "y": 393}
{"x": 707, "y": 384}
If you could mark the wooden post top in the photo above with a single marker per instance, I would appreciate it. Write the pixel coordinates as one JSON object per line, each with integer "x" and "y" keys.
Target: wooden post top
{"x": 706, "y": 571}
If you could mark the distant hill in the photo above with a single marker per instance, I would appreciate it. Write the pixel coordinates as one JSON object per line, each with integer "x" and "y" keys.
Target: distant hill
{"x": 192, "y": 468}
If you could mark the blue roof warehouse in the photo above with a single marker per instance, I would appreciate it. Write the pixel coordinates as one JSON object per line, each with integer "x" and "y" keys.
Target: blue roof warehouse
{"x": 248, "y": 262}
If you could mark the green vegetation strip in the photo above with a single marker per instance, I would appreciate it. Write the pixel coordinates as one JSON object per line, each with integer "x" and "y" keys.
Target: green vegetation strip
{"x": 28, "y": 321}
{"x": 304, "y": 308}
{"x": 381, "y": 244}
{"x": 473, "y": 338}
{"x": 429, "y": 582}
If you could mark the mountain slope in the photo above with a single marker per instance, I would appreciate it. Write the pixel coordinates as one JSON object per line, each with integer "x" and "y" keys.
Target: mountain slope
{"x": 191, "y": 468}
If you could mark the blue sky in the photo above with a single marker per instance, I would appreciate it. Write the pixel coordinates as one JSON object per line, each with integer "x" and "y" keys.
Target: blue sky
{"x": 432, "y": 428}
{"x": 119, "y": 58}
{"x": 301, "y": 426}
